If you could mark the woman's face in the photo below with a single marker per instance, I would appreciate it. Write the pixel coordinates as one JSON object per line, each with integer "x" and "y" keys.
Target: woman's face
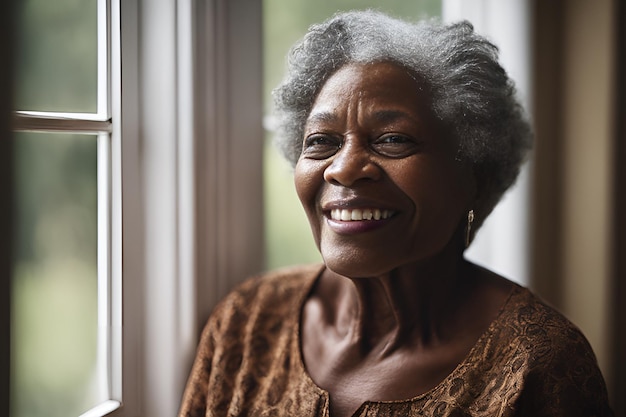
{"x": 378, "y": 181}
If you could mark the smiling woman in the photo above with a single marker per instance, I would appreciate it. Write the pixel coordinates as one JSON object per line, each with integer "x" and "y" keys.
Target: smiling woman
{"x": 403, "y": 137}
{"x": 371, "y": 143}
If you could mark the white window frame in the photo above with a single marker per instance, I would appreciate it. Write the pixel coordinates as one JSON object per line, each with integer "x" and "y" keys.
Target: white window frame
{"x": 98, "y": 123}
{"x": 187, "y": 189}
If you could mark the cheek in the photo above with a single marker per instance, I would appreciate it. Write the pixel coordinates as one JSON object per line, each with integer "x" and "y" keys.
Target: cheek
{"x": 308, "y": 185}
{"x": 440, "y": 196}
{"x": 441, "y": 182}
{"x": 305, "y": 183}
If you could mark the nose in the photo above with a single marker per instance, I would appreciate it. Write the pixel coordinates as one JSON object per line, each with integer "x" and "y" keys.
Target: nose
{"x": 352, "y": 163}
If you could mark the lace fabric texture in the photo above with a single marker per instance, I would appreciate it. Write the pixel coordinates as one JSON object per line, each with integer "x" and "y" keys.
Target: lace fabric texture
{"x": 530, "y": 362}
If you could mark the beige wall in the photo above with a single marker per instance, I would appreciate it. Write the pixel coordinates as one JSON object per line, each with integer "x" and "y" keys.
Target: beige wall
{"x": 588, "y": 81}
{"x": 573, "y": 170}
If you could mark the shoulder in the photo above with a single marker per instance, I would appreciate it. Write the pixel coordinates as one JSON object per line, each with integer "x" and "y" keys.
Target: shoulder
{"x": 247, "y": 331}
{"x": 275, "y": 293}
{"x": 555, "y": 360}
{"x": 534, "y": 321}
{"x": 278, "y": 285}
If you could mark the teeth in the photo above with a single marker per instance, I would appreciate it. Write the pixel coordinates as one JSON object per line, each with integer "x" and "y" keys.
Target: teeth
{"x": 347, "y": 215}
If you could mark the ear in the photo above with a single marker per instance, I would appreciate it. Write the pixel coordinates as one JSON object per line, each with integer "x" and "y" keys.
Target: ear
{"x": 485, "y": 194}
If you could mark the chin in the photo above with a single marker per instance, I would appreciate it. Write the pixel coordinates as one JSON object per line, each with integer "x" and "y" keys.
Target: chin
{"x": 355, "y": 268}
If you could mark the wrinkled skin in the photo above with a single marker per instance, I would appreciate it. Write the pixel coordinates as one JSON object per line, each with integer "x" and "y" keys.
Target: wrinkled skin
{"x": 397, "y": 308}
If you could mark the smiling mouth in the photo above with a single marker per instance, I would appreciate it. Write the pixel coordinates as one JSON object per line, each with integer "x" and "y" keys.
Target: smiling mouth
{"x": 348, "y": 215}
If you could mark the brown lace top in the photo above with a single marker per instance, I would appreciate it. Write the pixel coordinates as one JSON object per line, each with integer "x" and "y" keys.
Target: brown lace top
{"x": 530, "y": 362}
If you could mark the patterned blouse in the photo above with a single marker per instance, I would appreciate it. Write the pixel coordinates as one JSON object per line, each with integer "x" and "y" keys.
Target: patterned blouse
{"x": 531, "y": 361}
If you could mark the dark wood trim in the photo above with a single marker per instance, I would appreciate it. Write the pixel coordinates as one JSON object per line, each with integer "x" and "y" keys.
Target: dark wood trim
{"x": 6, "y": 206}
{"x": 546, "y": 274}
{"x": 618, "y": 377}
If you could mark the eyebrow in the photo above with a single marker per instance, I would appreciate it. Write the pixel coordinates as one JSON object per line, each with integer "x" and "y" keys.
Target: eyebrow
{"x": 387, "y": 116}
{"x": 321, "y": 117}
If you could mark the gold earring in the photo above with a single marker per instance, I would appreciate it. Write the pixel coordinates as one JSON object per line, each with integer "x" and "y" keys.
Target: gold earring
{"x": 468, "y": 230}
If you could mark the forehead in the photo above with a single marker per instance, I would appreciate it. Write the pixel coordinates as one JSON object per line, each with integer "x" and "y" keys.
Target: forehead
{"x": 381, "y": 84}
{"x": 381, "y": 90}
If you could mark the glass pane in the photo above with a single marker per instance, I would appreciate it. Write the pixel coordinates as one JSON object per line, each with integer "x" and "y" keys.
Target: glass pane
{"x": 54, "y": 309}
{"x": 288, "y": 237}
{"x": 56, "y": 65}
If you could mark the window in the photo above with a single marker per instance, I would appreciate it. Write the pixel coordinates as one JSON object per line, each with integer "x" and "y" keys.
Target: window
{"x": 178, "y": 163}
{"x": 61, "y": 277}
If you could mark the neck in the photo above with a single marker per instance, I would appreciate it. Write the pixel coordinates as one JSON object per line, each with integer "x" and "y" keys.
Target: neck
{"x": 414, "y": 304}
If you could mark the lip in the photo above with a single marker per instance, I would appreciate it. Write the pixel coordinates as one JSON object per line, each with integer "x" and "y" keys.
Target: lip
{"x": 348, "y": 227}
{"x": 356, "y": 226}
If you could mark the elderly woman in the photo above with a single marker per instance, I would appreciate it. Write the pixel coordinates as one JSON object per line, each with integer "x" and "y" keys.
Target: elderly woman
{"x": 403, "y": 137}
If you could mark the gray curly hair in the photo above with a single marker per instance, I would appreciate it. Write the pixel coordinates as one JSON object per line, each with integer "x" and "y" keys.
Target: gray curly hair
{"x": 471, "y": 93}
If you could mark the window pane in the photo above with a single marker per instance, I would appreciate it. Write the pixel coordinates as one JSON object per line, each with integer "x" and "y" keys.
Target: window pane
{"x": 288, "y": 237}
{"x": 54, "y": 309}
{"x": 57, "y": 56}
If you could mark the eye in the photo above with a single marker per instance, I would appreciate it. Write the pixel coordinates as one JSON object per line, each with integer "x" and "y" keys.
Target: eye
{"x": 397, "y": 139}
{"x": 396, "y": 145}
{"x": 320, "y": 146}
